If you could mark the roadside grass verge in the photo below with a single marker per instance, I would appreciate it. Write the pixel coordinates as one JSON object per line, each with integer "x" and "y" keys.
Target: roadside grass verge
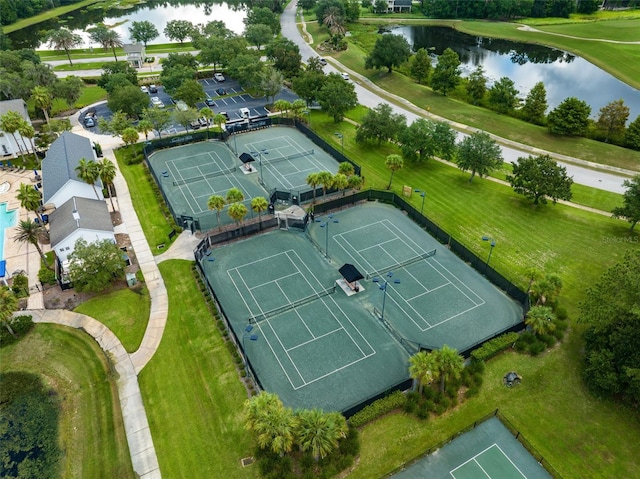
{"x": 92, "y": 435}
{"x": 193, "y": 395}
{"x": 578, "y": 434}
{"x": 564, "y": 238}
{"x": 79, "y": 66}
{"x": 154, "y": 224}
{"x": 124, "y": 312}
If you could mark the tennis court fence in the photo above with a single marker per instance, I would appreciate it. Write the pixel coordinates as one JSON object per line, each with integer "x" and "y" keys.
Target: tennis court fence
{"x": 402, "y": 264}
{"x": 184, "y": 181}
{"x": 293, "y": 305}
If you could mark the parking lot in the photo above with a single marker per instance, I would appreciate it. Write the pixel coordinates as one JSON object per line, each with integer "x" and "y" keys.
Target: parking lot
{"x": 227, "y": 97}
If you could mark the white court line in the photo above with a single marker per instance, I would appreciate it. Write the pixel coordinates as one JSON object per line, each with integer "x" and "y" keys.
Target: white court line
{"x": 472, "y": 459}
{"x": 512, "y": 463}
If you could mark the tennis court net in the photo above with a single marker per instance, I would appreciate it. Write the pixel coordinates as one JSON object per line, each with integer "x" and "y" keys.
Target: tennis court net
{"x": 407, "y": 262}
{"x": 184, "y": 181}
{"x": 289, "y": 157}
{"x": 295, "y": 304}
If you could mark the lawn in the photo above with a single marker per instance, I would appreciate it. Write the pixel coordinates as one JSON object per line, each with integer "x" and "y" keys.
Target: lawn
{"x": 193, "y": 394}
{"x": 578, "y": 434}
{"x": 617, "y": 30}
{"x": 92, "y": 434}
{"x": 91, "y": 94}
{"x": 55, "y": 12}
{"x": 124, "y": 312}
{"x": 154, "y": 224}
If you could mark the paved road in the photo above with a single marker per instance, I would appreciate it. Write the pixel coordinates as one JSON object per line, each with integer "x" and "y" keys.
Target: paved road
{"x": 585, "y": 173}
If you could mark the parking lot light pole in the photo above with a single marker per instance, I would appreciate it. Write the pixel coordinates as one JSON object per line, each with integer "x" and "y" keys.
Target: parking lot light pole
{"x": 325, "y": 224}
{"x": 424, "y": 195}
{"x": 493, "y": 244}
{"x": 383, "y": 284}
{"x": 341, "y": 136}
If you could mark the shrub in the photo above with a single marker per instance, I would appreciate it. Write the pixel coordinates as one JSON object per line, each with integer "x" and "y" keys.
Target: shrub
{"x": 494, "y": 346}
{"x": 536, "y": 348}
{"x": 561, "y": 313}
{"x": 20, "y": 325}
{"x": 378, "y": 408}
{"x": 20, "y": 286}
{"x": 47, "y": 276}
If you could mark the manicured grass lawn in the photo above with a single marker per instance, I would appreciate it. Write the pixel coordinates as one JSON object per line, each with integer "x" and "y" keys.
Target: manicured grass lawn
{"x": 79, "y": 66}
{"x": 124, "y": 312}
{"x": 619, "y": 30}
{"x": 91, "y": 94}
{"x": 578, "y": 434}
{"x": 91, "y": 431}
{"x": 55, "y": 12}
{"x": 156, "y": 228}
{"x": 192, "y": 392}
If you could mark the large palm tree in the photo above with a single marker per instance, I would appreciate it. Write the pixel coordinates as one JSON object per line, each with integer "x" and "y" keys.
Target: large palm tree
{"x": 29, "y": 198}
{"x": 145, "y": 126}
{"x": 313, "y": 181}
{"x": 111, "y": 39}
{"x": 30, "y": 232}
{"x": 28, "y": 131}
{"x": 10, "y": 122}
{"x": 341, "y": 182}
{"x": 88, "y": 172}
{"x": 394, "y": 163}
{"x": 237, "y": 211}
{"x": 41, "y": 97}
{"x": 63, "y": 39}
{"x": 423, "y": 368}
{"x": 216, "y": 202}
{"x": 258, "y": 205}
{"x": 345, "y": 168}
{"x": 107, "y": 172}
{"x": 8, "y": 306}
{"x": 273, "y": 424}
{"x": 450, "y": 365}
{"x": 320, "y": 432}
{"x": 540, "y": 320}
{"x": 234, "y": 195}
{"x": 355, "y": 182}
{"x": 325, "y": 178}
{"x": 546, "y": 288}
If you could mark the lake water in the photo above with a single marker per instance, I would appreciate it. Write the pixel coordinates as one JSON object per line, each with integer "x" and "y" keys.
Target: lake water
{"x": 154, "y": 12}
{"x": 562, "y": 73}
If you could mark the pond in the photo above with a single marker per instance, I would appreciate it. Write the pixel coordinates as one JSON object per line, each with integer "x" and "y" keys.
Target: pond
{"x": 154, "y": 11}
{"x": 562, "y": 73}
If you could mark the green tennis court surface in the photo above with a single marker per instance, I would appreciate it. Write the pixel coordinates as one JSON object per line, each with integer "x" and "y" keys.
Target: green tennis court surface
{"x": 317, "y": 346}
{"x": 489, "y": 451}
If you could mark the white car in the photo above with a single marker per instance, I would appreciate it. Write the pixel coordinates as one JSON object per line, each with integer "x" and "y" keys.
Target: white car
{"x": 345, "y": 76}
{"x": 218, "y": 77}
{"x": 144, "y": 89}
{"x": 157, "y": 102}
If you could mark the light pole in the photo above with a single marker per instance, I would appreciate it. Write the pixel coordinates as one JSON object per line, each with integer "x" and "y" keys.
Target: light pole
{"x": 424, "y": 195}
{"x": 325, "y": 224}
{"x": 341, "y": 136}
{"x": 308, "y": 113}
{"x": 383, "y": 284}
{"x": 493, "y": 244}
{"x": 260, "y": 153}
{"x": 252, "y": 337}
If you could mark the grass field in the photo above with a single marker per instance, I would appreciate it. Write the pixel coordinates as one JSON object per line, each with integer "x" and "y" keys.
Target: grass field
{"x": 55, "y": 12}
{"x": 91, "y": 94}
{"x": 124, "y": 312}
{"x": 617, "y": 30}
{"x": 91, "y": 430}
{"x": 193, "y": 395}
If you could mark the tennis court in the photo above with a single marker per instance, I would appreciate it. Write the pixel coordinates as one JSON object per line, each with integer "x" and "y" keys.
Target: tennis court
{"x": 190, "y": 174}
{"x": 430, "y": 296}
{"x": 489, "y": 451}
{"x": 286, "y": 155}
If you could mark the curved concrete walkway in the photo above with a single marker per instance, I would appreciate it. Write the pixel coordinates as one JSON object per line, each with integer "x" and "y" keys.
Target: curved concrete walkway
{"x": 141, "y": 448}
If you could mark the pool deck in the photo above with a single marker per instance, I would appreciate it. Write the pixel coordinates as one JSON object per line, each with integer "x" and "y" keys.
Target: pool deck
{"x": 21, "y": 256}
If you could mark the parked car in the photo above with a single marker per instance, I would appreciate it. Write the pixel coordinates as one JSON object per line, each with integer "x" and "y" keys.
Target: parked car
{"x": 180, "y": 105}
{"x": 157, "y": 102}
{"x": 345, "y": 76}
{"x": 195, "y": 124}
{"x": 221, "y": 91}
{"x": 218, "y": 77}
{"x": 245, "y": 113}
{"x": 224, "y": 113}
{"x": 144, "y": 89}
{"x": 153, "y": 89}
{"x": 203, "y": 121}
{"x": 89, "y": 122}
{"x": 210, "y": 102}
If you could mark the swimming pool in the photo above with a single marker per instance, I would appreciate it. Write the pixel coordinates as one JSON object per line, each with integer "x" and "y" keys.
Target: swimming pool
{"x": 8, "y": 218}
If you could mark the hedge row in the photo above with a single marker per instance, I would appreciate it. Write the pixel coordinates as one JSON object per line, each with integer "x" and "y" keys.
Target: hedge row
{"x": 493, "y": 347}
{"x": 378, "y": 408}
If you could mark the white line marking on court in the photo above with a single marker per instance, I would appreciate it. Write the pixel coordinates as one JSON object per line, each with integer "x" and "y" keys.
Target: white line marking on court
{"x": 472, "y": 459}
{"x": 512, "y": 463}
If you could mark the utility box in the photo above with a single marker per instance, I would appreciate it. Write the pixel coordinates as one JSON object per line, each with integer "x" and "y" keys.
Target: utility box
{"x": 131, "y": 279}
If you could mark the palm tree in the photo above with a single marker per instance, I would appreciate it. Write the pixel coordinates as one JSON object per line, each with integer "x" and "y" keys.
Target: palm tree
{"x": 111, "y": 39}
{"x": 422, "y": 368}
{"x": 63, "y": 39}
{"x": 42, "y": 99}
{"x": 394, "y": 163}
{"x": 259, "y": 204}
{"x": 450, "y": 365}
{"x": 546, "y": 289}
{"x": 8, "y": 306}
{"x": 87, "y": 171}
{"x": 540, "y": 320}
{"x": 346, "y": 169}
{"x": 216, "y": 202}
{"x": 341, "y": 182}
{"x": 107, "y": 172}
{"x": 10, "y": 122}
{"x": 355, "y": 182}
{"x": 313, "y": 181}
{"x": 207, "y": 114}
{"x": 219, "y": 119}
{"x": 237, "y": 211}
{"x": 320, "y": 432}
{"x": 145, "y": 126}
{"x": 29, "y": 198}
{"x": 28, "y": 131}
{"x": 325, "y": 178}
{"x": 274, "y": 425}
{"x": 234, "y": 195}
{"x": 32, "y": 233}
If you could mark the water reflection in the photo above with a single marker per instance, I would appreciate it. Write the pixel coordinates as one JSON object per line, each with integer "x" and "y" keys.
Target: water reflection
{"x": 156, "y": 12}
{"x": 562, "y": 73}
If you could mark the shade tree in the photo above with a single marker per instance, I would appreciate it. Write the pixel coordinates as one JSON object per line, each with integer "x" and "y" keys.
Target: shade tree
{"x": 337, "y": 96}
{"x": 503, "y": 96}
{"x": 179, "y": 30}
{"x": 420, "y": 66}
{"x": 480, "y": 154}
{"x": 143, "y": 32}
{"x": 570, "y": 118}
{"x": 630, "y": 210}
{"x": 285, "y": 56}
{"x": 446, "y": 74}
{"x": 388, "y": 52}
{"x": 477, "y": 85}
{"x": 424, "y": 139}
{"x": 535, "y": 104}
{"x": 258, "y": 34}
{"x": 93, "y": 267}
{"x": 539, "y": 178}
{"x": 380, "y": 124}
{"x": 612, "y": 119}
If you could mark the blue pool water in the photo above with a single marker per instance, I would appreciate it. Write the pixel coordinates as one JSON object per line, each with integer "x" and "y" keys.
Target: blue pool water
{"x": 7, "y": 220}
